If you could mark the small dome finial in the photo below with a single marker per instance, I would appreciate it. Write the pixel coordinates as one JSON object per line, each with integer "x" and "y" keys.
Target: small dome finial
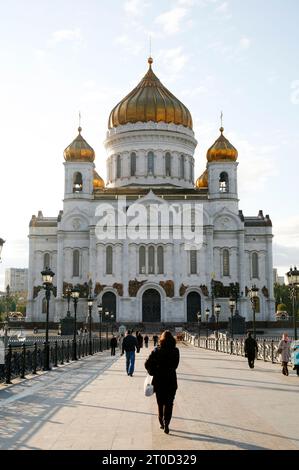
{"x": 221, "y": 121}
{"x": 150, "y": 61}
{"x": 79, "y": 128}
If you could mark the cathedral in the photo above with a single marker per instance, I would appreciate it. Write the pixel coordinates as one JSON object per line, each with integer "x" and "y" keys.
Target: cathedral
{"x": 150, "y": 145}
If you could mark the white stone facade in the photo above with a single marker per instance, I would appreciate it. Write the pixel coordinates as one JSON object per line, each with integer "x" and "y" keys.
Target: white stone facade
{"x": 235, "y": 248}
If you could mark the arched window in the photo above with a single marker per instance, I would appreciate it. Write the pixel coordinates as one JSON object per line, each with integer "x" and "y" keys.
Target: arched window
{"x": 255, "y": 265}
{"x": 77, "y": 182}
{"x": 109, "y": 260}
{"x": 118, "y": 166}
{"x": 168, "y": 164}
{"x": 151, "y": 260}
{"x": 76, "y": 263}
{"x": 150, "y": 163}
{"x": 191, "y": 178}
{"x": 223, "y": 182}
{"x": 160, "y": 256}
{"x": 182, "y": 167}
{"x": 133, "y": 164}
{"x": 46, "y": 260}
{"x": 44, "y": 305}
{"x": 225, "y": 262}
{"x": 142, "y": 260}
{"x": 110, "y": 170}
{"x": 193, "y": 262}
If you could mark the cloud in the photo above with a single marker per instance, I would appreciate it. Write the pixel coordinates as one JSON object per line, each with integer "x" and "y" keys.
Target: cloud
{"x": 135, "y": 7}
{"x": 129, "y": 44}
{"x": 244, "y": 43}
{"x": 287, "y": 232}
{"x": 222, "y": 8}
{"x": 284, "y": 257}
{"x": 64, "y": 35}
{"x": 173, "y": 60}
{"x": 171, "y": 21}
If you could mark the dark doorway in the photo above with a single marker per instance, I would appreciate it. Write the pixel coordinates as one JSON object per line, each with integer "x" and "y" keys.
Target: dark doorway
{"x": 109, "y": 305}
{"x": 151, "y": 306}
{"x": 193, "y": 306}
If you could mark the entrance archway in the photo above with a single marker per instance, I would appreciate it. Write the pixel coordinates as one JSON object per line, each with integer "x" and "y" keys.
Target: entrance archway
{"x": 193, "y": 306}
{"x": 109, "y": 305}
{"x": 151, "y": 306}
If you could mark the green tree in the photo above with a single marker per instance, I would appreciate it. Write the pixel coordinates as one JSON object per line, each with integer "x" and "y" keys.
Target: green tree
{"x": 282, "y": 296}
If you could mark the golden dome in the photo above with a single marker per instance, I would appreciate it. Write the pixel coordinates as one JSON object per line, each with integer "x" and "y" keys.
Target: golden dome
{"x": 150, "y": 101}
{"x": 79, "y": 150}
{"x": 202, "y": 182}
{"x": 98, "y": 182}
{"x": 222, "y": 150}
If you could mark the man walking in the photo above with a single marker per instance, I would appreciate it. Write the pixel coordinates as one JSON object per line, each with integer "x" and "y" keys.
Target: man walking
{"x": 250, "y": 349}
{"x": 129, "y": 346}
{"x": 113, "y": 344}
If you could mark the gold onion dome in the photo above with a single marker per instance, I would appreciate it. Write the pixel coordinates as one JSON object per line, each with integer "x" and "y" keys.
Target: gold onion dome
{"x": 150, "y": 101}
{"x": 222, "y": 150}
{"x": 202, "y": 181}
{"x": 79, "y": 150}
{"x": 98, "y": 182}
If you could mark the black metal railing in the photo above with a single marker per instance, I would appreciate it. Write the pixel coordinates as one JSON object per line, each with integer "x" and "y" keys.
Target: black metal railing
{"x": 23, "y": 360}
{"x": 267, "y": 349}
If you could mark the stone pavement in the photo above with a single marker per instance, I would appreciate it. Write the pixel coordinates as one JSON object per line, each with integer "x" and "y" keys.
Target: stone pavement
{"x": 93, "y": 404}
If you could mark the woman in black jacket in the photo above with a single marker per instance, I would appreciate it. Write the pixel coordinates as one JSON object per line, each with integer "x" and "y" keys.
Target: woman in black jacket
{"x": 162, "y": 364}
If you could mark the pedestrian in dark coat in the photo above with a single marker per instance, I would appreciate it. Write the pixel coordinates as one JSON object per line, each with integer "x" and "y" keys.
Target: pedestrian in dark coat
{"x": 129, "y": 345}
{"x": 162, "y": 364}
{"x": 113, "y": 344}
{"x": 155, "y": 340}
{"x": 250, "y": 349}
{"x": 139, "y": 338}
{"x": 146, "y": 338}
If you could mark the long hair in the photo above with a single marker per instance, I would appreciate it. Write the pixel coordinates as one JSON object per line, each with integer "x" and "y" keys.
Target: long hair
{"x": 167, "y": 340}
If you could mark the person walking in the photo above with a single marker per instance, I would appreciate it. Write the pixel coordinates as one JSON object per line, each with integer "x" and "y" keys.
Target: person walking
{"x": 139, "y": 338}
{"x": 162, "y": 364}
{"x": 155, "y": 340}
{"x": 146, "y": 339}
{"x": 129, "y": 345}
{"x": 250, "y": 349}
{"x": 284, "y": 351}
{"x": 113, "y": 344}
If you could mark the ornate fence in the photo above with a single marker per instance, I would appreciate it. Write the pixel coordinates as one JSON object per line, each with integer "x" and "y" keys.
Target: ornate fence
{"x": 28, "y": 359}
{"x": 267, "y": 349}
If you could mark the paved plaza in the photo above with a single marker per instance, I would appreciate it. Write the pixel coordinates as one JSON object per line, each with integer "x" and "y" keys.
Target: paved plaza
{"x": 93, "y": 404}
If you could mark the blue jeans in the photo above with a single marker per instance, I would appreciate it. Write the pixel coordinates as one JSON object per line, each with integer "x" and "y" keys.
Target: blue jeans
{"x": 130, "y": 356}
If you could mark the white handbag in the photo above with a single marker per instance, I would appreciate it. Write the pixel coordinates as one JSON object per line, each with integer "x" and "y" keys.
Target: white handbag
{"x": 148, "y": 387}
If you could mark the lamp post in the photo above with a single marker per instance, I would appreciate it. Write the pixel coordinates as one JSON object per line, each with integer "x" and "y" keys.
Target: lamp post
{"x": 232, "y": 305}
{"x": 1, "y": 246}
{"x": 112, "y": 317}
{"x": 207, "y": 312}
{"x": 90, "y": 304}
{"x": 47, "y": 276}
{"x": 199, "y": 325}
{"x": 107, "y": 315}
{"x": 68, "y": 295}
{"x": 100, "y": 312}
{"x": 75, "y": 297}
{"x": 253, "y": 293}
{"x": 293, "y": 281}
{"x": 217, "y": 312}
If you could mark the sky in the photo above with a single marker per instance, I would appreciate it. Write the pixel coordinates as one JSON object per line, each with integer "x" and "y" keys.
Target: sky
{"x": 61, "y": 56}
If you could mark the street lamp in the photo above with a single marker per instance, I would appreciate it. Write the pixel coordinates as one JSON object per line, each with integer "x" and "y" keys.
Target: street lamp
{"x": 90, "y": 305}
{"x": 47, "y": 276}
{"x": 293, "y": 281}
{"x": 253, "y": 294}
{"x": 232, "y": 305}
{"x": 112, "y": 317}
{"x": 1, "y": 246}
{"x": 217, "y": 312}
{"x": 75, "y": 296}
{"x": 68, "y": 295}
{"x": 207, "y": 312}
{"x": 100, "y": 312}
{"x": 199, "y": 325}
